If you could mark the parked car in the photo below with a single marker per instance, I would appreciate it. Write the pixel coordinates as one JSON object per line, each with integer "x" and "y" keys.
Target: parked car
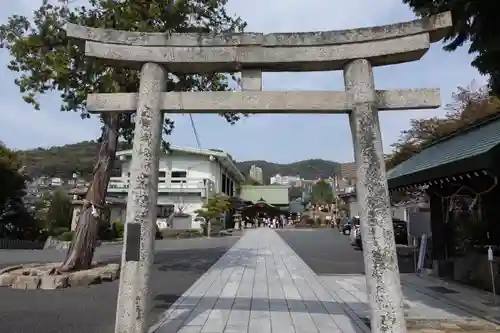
{"x": 400, "y": 233}
{"x": 355, "y": 229}
{"x": 345, "y": 226}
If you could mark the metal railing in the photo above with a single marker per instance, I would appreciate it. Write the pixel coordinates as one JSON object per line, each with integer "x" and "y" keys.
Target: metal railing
{"x": 164, "y": 183}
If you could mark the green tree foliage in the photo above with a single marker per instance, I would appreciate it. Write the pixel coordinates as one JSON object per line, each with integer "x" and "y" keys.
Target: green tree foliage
{"x": 214, "y": 207}
{"x": 474, "y": 21}
{"x": 294, "y": 193}
{"x": 15, "y": 221}
{"x": 322, "y": 193}
{"x": 12, "y": 179}
{"x": 307, "y": 169}
{"x": 46, "y": 60}
{"x": 59, "y": 212}
{"x": 251, "y": 181}
{"x": 469, "y": 106}
{"x": 63, "y": 161}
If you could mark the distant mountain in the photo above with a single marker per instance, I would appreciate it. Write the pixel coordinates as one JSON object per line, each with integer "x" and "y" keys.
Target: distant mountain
{"x": 307, "y": 169}
{"x": 80, "y": 157}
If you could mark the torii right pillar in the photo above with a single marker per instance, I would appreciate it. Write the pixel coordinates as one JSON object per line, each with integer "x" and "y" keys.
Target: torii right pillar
{"x": 381, "y": 262}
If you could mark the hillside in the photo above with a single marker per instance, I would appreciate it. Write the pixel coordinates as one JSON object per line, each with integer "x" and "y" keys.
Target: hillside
{"x": 307, "y": 169}
{"x": 63, "y": 161}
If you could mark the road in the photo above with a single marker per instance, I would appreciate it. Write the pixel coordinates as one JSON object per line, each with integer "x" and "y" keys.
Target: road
{"x": 329, "y": 252}
{"x": 326, "y": 251}
{"x": 177, "y": 265}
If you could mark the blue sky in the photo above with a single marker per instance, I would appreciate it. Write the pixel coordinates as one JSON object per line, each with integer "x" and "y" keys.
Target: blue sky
{"x": 276, "y": 138}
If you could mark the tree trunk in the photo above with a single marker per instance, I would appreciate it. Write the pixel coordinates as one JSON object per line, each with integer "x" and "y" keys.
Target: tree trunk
{"x": 81, "y": 251}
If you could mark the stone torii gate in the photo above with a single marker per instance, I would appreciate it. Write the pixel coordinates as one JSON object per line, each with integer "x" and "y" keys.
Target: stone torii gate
{"x": 354, "y": 51}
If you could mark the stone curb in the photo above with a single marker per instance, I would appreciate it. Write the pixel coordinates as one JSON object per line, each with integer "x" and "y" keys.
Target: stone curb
{"x": 36, "y": 276}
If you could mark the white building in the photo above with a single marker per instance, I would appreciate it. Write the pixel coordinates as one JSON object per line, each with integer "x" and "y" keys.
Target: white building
{"x": 256, "y": 173}
{"x": 187, "y": 177}
{"x": 284, "y": 180}
{"x": 56, "y": 181}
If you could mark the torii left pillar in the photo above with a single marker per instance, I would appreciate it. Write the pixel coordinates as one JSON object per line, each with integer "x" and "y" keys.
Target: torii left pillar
{"x": 138, "y": 249}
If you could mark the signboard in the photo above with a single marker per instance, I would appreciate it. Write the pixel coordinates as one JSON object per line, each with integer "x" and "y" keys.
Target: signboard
{"x": 421, "y": 253}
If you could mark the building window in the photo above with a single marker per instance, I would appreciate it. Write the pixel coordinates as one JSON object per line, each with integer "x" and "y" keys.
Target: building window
{"x": 178, "y": 176}
{"x": 115, "y": 172}
{"x": 164, "y": 211}
{"x": 161, "y": 176}
{"x": 224, "y": 183}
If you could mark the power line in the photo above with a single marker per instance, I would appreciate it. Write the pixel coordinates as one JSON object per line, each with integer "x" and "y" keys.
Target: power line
{"x": 195, "y": 131}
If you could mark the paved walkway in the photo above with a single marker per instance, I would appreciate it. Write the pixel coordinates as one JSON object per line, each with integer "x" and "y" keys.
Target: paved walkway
{"x": 261, "y": 285}
{"x": 469, "y": 299}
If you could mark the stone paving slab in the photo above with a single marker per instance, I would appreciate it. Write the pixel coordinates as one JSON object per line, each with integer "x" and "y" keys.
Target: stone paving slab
{"x": 262, "y": 286}
{"x": 259, "y": 286}
{"x": 424, "y": 312}
{"x": 475, "y": 301}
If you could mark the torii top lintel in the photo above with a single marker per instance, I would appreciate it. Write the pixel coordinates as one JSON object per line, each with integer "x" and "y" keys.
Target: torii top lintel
{"x": 274, "y": 52}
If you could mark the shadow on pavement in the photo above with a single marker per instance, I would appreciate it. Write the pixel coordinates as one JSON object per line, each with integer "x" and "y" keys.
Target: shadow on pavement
{"x": 92, "y": 308}
{"x": 195, "y": 310}
{"x": 196, "y": 261}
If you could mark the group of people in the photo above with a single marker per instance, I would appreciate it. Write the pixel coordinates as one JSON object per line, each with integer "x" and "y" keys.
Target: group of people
{"x": 276, "y": 222}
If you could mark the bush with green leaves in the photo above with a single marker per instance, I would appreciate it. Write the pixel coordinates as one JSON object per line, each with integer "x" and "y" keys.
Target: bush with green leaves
{"x": 59, "y": 213}
{"x": 57, "y": 231}
{"x": 119, "y": 228}
{"x": 66, "y": 236}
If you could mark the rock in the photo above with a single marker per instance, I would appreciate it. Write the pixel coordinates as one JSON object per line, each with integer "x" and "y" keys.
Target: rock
{"x": 10, "y": 269}
{"x": 50, "y": 282}
{"x": 110, "y": 272}
{"x": 45, "y": 276}
{"x": 25, "y": 282}
{"x": 108, "y": 276}
{"x": 6, "y": 280}
{"x": 84, "y": 278}
{"x": 54, "y": 243}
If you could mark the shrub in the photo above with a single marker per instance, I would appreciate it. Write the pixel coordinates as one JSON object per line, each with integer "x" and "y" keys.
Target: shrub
{"x": 105, "y": 232}
{"x": 58, "y": 231}
{"x": 66, "y": 236}
{"x": 59, "y": 212}
{"x": 119, "y": 228}
{"x": 195, "y": 232}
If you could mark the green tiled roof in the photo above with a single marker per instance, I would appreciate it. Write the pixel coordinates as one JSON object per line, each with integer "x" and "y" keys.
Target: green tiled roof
{"x": 272, "y": 194}
{"x": 468, "y": 144}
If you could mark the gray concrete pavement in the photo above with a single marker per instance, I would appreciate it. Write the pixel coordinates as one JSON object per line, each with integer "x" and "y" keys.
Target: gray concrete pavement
{"x": 340, "y": 268}
{"x": 178, "y": 264}
{"x": 424, "y": 312}
{"x": 325, "y": 250}
{"x": 260, "y": 285}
